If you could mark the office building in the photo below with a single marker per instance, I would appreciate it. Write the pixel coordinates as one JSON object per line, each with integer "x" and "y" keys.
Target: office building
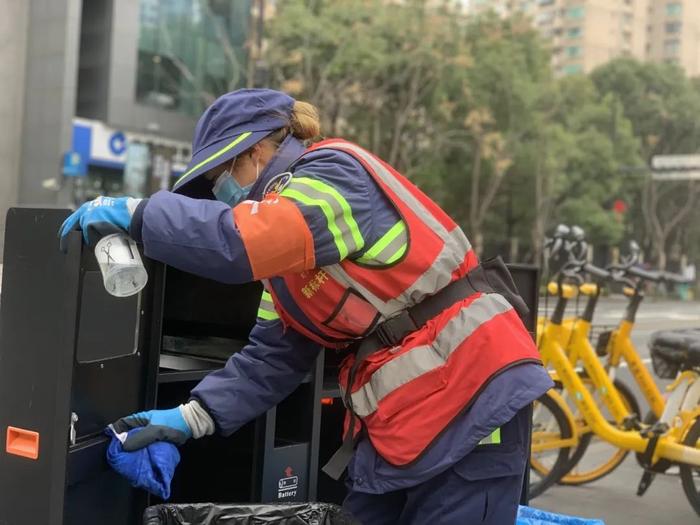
{"x": 102, "y": 96}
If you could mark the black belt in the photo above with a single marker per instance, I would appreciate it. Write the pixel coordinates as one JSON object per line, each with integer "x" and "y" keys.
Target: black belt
{"x": 491, "y": 276}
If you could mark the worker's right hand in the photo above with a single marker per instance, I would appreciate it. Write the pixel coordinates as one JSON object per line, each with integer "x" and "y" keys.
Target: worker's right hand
{"x": 156, "y": 425}
{"x": 99, "y": 217}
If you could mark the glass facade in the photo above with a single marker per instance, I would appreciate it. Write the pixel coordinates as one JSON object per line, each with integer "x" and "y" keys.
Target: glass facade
{"x": 190, "y": 52}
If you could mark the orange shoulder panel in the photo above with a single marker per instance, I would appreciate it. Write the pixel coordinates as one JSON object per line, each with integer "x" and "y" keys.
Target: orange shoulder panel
{"x": 276, "y": 237}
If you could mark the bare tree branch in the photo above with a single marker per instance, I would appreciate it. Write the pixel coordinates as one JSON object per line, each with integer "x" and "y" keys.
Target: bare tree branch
{"x": 685, "y": 209}
{"x": 402, "y": 116}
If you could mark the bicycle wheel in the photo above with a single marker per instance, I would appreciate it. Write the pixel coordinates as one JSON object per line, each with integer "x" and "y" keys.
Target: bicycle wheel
{"x": 548, "y": 459}
{"x": 690, "y": 474}
{"x": 594, "y": 458}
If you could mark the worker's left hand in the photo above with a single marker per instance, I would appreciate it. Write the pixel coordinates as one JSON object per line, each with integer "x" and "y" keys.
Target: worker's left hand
{"x": 99, "y": 217}
{"x": 156, "y": 425}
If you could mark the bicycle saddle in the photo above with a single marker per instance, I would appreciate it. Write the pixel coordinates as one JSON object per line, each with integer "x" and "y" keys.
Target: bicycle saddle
{"x": 680, "y": 348}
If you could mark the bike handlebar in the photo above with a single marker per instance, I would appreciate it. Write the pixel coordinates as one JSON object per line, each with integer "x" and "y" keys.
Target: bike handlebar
{"x": 675, "y": 278}
{"x": 657, "y": 276}
{"x": 594, "y": 271}
{"x": 571, "y": 241}
{"x": 619, "y": 277}
{"x": 646, "y": 275}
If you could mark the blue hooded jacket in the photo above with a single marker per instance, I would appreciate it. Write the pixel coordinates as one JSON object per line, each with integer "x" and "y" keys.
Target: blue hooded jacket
{"x": 201, "y": 237}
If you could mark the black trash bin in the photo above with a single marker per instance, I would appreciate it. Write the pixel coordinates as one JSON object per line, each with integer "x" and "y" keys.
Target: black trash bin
{"x": 253, "y": 514}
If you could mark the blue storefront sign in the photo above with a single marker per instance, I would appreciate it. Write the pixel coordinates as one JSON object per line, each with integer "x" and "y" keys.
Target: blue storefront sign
{"x": 99, "y": 145}
{"x": 74, "y": 164}
{"x": 117, "y": 143}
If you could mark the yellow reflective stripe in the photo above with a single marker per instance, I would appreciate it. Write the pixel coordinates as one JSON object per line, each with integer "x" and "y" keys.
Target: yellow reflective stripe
{"x": 327, "y": 211}
{"x": 266, "y": 310}
{"x": 372, "y": 255}
{"x": 493, "y": 439}
{"x": 341, "y": 224}
{"x": 268, "y": 316}
{"x": 322, "y": 187}
{"x": 235, "y": 141}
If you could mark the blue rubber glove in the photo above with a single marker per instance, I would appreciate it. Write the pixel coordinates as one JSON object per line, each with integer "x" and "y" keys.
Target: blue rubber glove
{"x": 99, "y": 217}
{"x": 158, "y": 425}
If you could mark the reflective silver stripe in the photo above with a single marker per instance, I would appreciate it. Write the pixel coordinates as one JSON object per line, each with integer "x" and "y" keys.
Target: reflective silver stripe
{"x": 439, "y": 274}
{"x": 389, "y": 251}
{"x": 401, "y": 191}
{"x": 398, "y": 245}
{"x": 456, "y": 246}
{"x": 427, "y": 284}
{"x": 342, "y": 213}
{"x": 422, "y": 359}
{"x": 267, "y": 305}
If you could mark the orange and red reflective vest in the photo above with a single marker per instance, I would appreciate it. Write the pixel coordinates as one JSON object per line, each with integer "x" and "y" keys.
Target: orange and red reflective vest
{"x": 407, "y": 394}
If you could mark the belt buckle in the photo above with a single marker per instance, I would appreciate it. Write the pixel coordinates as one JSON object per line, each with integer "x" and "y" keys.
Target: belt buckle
{"x": 385, "y": 335}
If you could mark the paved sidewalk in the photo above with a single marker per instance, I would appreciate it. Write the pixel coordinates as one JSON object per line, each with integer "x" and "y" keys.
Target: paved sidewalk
{"x": 614, "y": 500}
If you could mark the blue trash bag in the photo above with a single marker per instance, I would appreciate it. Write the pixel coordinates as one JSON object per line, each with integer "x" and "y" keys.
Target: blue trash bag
{"x": 530, "y": 516}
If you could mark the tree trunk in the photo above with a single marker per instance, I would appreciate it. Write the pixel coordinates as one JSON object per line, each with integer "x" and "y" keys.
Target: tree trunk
{"x": 660, "y": 249}
{"x": 541, "y": 214}
{"x": 474, "y": 196}
{"x": 478, "y": 240}
{"x": 514, "y": 249}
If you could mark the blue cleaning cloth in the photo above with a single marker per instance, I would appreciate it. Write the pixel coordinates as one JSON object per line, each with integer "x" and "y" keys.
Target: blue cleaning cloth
{"x": 530, "y": 516}
{"x": 151, "y": 468}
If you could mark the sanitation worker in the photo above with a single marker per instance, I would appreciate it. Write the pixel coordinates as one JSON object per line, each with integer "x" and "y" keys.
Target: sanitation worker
{"x": 439, "y": 372}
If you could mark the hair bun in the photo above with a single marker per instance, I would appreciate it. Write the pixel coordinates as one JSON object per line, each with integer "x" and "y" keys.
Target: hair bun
{"x": 304, "y": 122}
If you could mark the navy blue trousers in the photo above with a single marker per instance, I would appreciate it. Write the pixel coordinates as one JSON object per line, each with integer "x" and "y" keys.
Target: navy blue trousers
{"x": 483, "y": 488}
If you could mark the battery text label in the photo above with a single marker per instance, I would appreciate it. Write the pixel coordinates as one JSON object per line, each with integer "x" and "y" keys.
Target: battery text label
{"x": 287, "y": 487}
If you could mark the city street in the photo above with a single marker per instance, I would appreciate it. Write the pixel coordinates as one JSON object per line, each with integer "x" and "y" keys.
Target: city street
{"x": 342, "y": 150}
{"x": 614, "y": 498}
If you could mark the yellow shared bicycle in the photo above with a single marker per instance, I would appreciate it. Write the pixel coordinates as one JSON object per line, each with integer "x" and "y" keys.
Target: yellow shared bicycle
{"x": 604, "y": 457}
{"x": 677, "y": 444}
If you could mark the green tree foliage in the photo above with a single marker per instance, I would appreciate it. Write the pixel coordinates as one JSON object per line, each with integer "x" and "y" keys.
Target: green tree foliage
{"x": 374, "y": 70}
{"x": 470, "y": 110}
{"x": 663, "y": 107}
